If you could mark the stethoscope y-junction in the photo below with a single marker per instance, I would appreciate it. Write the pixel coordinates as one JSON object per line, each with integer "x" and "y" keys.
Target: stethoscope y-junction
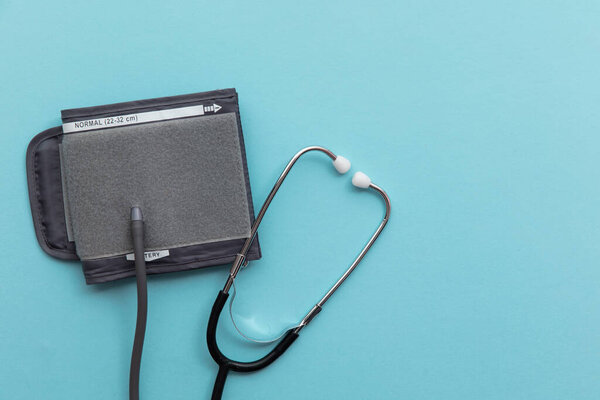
{"x": 226, "y": 364}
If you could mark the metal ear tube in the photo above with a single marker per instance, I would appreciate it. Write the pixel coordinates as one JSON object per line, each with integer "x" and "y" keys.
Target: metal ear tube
{"x": 341, "y": 164}
{"x": 317, "y": 308}
{"x": 360, "y": 180}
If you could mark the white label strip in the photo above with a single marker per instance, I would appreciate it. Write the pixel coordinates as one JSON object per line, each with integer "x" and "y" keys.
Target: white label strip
{"x": 150, "y": 255}
{"x": 138, "y": 118}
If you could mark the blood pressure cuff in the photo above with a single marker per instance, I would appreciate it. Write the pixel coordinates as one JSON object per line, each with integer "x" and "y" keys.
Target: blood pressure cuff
{"x": 180, "y": 159}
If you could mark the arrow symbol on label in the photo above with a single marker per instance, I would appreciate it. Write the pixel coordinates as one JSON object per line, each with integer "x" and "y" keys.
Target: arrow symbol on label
{"x": 214, "y": 108}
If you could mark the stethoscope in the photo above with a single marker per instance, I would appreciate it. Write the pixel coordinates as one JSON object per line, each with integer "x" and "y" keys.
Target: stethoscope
{"x": 360, "y": 180}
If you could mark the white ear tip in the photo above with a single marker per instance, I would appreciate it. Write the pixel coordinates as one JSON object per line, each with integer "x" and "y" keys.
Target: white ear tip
{"x": 341, "y": 164}
{"x": 361, "y": 180}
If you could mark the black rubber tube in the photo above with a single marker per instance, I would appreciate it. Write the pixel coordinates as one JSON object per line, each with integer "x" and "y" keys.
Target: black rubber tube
{"x": 226, "y": 364}
{"x": 238, "y": 366}
{"x": 219, "y": 383}
{"x": 137, "y": 234}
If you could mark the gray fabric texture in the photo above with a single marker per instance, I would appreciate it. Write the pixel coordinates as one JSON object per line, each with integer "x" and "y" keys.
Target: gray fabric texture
{"x": 185, "y": 174}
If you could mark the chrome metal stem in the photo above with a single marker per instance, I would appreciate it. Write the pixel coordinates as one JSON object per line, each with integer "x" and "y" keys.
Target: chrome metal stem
{"x": 235, "y": 268}
{"x": 317, "y": 308}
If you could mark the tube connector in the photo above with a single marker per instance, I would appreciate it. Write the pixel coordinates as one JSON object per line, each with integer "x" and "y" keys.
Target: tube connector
{"x": 136, "y": 214}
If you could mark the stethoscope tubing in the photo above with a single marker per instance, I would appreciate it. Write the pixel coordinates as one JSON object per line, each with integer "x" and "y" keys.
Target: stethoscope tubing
{"x": 288, "y": 338}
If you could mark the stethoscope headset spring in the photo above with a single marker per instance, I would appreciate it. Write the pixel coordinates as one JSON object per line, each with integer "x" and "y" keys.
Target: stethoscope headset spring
{"x": 226, "y": 364}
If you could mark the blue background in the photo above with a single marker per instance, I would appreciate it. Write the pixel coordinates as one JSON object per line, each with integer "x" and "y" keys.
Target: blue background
{"x": 480, "y": 119}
